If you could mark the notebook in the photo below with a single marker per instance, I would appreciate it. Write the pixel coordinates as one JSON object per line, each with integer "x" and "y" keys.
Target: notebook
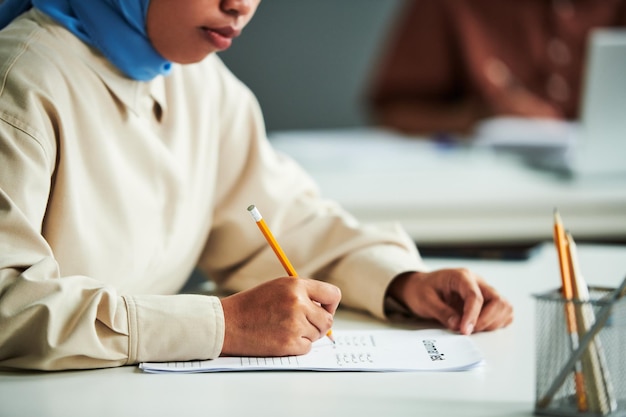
{"x": 594, "y": 145}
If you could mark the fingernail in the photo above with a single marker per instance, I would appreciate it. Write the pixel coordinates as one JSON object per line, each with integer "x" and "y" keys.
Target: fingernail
{"x": 453, "y": 322}
{"x": 469, "y": 328}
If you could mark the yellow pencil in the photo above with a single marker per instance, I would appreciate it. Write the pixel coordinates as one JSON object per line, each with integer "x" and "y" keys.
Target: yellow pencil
{"x": 291, "y": 271}
{"x": 600, "y": 394}
{"x": 560, "y": 240}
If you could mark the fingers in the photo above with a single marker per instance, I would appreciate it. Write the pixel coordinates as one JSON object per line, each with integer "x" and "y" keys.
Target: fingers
{"x": 465, "y": 284}
{"x": 432, "y": 306}
{"x": 483, "y": 308}
{"x": 279, "y": 317}
{"x": 457, "y": 298}
{"x": 496, "y": 313}
{"x": 327, "y": 295}
{"x": 325, "y": 300}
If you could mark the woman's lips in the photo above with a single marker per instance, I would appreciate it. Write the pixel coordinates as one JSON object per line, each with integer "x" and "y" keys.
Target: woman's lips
{"x": 221, "y": 38}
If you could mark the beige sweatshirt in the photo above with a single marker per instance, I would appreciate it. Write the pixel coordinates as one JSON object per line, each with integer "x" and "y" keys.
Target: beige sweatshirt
{"x": 113, "y": 190}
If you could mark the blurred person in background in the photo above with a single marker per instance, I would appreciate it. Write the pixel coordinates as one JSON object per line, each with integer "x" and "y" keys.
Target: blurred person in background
{"x": 450, "y": 64}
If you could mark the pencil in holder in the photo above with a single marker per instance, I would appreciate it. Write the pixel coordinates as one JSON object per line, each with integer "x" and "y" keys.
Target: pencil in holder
{"x": 581, "y": 373}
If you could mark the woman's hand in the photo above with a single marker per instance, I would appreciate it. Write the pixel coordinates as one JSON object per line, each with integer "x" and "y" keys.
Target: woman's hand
{"x": 278, "y": 318}
{"x": 457, "y": 298}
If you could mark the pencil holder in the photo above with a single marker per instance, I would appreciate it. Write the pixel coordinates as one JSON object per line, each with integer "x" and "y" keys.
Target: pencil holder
{"x": 580, "y": 370}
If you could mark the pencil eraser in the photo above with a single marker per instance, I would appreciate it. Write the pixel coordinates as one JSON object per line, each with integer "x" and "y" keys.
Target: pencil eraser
{"x": 254, "y": 212}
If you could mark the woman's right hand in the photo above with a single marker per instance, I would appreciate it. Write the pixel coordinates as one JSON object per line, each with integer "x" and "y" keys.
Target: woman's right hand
{"x": 280, "y": 317}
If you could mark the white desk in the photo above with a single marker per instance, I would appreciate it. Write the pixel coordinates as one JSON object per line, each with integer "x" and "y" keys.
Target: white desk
{"x": 444, "y": 194}
{"x": 504, "y": 386}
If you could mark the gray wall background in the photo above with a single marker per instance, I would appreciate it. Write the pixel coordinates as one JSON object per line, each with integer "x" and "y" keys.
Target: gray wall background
{"x": 309, "y": 61}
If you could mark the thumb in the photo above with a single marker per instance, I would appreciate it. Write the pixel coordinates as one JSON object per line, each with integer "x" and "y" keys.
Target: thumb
{"x": 437, "y": 309}
{"x": 450, "y": 318}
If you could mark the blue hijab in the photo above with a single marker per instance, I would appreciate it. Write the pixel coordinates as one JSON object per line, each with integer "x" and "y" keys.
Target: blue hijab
{"x": 117, "y": 28}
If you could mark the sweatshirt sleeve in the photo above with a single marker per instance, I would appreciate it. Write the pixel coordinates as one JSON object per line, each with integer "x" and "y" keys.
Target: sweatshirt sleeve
{"x": 50, "y": 321}
{"x": 320, "y": 238}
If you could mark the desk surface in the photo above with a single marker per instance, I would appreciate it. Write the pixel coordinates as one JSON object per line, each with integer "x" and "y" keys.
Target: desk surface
{"x": 504, "y": 386}
{"x": 442, "y": 193}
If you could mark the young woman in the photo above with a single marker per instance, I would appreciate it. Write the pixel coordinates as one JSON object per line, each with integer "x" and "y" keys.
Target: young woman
{"x": 128, "y": 157}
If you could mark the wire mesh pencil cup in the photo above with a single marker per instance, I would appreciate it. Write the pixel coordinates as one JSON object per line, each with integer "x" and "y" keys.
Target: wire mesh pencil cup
{"x": 595, "y": 354}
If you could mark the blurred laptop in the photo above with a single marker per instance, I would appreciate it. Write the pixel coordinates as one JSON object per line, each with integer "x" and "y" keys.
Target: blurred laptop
{"x": 596, "y": 144}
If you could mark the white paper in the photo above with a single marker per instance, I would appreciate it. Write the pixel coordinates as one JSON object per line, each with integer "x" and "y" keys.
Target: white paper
{"x": 355, "y": 350}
